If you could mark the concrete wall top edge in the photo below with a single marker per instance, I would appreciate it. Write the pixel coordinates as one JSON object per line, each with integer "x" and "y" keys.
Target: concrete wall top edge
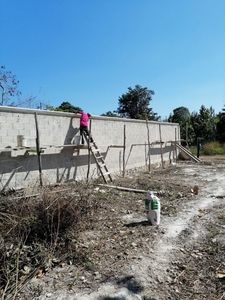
{"x": 65, "y": 114}
{"x": 30, "y": 111}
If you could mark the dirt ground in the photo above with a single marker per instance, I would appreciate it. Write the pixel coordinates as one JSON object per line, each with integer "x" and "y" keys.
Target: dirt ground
{"x": 129, "y": 259}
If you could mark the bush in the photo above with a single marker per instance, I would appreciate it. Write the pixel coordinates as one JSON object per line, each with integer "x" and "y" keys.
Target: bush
{"x": 213, "y": 148}
{"x": 193, "y": 150}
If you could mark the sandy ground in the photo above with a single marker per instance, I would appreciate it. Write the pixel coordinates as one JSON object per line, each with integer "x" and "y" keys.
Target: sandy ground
{"x": 182, "y": 258}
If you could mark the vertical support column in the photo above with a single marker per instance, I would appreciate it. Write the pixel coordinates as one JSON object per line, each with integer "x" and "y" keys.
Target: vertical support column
{"x": 198, "y": 147}
{"x": 38, "y": 150}
{"x": 89, "y": 153}
{"x": 187, "y": 135}
{"x": 124, "y": 149}
{"x": 160, "y": 135}
{"x": 176, "y": 143}
{"x": 149, "y": 148}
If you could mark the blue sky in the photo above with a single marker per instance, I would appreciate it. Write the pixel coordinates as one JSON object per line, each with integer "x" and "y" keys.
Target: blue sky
{"x": 88, "y": 52}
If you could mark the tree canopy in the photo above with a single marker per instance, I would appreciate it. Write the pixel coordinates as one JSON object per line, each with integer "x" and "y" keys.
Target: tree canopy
{"x": 135, "y": 104}
{"x": 181, "y": 115}
{"x": 109, "y": 114}
{"x": 64, "y": 106}
{"x": 67, "y": 107}
{"x": 203, "y": 123}
{"x": 198, "y": 125}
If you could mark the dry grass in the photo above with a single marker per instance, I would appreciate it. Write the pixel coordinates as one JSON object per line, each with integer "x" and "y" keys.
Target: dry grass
{"x": 35, "y": 232}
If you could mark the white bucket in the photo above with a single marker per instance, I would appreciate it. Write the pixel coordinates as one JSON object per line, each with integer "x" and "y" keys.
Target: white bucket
{"x": 152, "y": 207}
{"x": 21, "y": 141}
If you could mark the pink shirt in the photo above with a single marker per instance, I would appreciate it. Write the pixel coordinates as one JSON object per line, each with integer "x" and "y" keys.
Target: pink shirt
{"x": 84, "y": 119}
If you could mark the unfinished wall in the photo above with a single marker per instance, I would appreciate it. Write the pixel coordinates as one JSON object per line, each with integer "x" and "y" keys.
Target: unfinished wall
{"x": 61, "y": 160}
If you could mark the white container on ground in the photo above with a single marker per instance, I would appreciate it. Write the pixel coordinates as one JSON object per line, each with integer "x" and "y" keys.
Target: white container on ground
{"x": 152, "y": 207}
{"x": 21, "y": 141}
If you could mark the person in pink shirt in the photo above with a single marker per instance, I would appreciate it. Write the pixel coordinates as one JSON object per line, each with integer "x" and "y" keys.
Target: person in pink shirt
{"x": 84, "y": 125}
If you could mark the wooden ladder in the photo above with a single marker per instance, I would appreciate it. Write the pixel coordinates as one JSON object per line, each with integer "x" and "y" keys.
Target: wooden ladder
{"x": 188, "y": 153}
{"x": 99, "y": 159}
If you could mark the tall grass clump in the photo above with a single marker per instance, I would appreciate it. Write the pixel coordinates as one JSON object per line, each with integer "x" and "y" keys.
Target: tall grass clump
{"x": 38, "y": 230}
{"x": 213, "y": 148}
{"x": 193, "y": 150}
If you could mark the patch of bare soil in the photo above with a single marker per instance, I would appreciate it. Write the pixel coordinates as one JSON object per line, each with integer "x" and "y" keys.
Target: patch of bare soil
{"x": 126, "y": 258}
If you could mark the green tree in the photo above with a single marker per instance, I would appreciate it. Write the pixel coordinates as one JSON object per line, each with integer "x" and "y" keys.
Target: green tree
{"x": 182, "y": 116}
{"x": 49, "y": 107}
{"x": 109, "y": 114}
{"x": 220, "y": 126}
{"x": 65, "y": 106}
{"x": 9, "y": 84}
{"x": 203, "y": 123}
{"x": 135, "y": 104}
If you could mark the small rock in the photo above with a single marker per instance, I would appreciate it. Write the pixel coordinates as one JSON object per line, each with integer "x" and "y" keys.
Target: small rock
{"x": 26, "y": 270}
{"x": 160, "y": 279}
{"x": 169, "y": 279}
{"x": 48, "y": 295}
{"x": 98, "y": 275}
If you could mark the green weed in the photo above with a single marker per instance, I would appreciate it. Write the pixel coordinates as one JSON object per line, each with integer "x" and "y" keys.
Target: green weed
{"x": 212, "y": 148}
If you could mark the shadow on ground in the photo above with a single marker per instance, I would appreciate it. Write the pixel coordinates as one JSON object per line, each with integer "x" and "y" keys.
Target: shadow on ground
{"x": 135, "y": 224}
{"x": 131, "y": 285}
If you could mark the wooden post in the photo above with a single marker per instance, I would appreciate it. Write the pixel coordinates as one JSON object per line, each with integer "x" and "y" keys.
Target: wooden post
{"x": 187, "y": 134}
{"x": 198, "y": 147}
{"x": 149, "y": 149}
{"x": 124, "y": 149}
{"x": 38, "y": 149}
{"x": 89, "y": 153}
{"x": 176, "y": 143}
{"x": 160, "y": 135}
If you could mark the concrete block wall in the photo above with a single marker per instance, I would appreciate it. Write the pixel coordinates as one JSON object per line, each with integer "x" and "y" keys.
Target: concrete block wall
{"x": 18, "y": 168}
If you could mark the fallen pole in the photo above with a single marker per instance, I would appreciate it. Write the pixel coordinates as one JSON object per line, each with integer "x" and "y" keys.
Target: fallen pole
{"x": 123, "y": 188}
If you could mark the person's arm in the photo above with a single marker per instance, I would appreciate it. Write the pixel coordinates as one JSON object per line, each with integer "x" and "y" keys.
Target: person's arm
{"x": 78, "y": 113}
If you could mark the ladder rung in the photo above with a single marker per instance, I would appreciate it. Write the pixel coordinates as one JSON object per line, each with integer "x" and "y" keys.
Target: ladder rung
{"x": 95, "y": 150}
{"x": 107, "y": 173}
{"x": 101, "y": 166}
{"x": 97, "y": 157}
